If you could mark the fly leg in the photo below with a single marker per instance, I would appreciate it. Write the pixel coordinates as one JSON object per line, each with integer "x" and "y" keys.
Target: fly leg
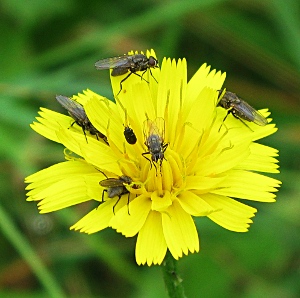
{"x": 121, "y": 86}
{"x": 147, "y": 158}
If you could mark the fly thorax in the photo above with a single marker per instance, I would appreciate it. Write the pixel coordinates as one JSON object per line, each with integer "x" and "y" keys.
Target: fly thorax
{"x": 126, "y": 179}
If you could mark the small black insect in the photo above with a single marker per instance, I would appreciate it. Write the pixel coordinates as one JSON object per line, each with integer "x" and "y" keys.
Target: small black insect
{"x": 77, "y": 112}
{"x": 240, "y": 109}
{"x": 128, "y": 63}
{"x": 154, "y": 132}
{"x": 130, "y": 135}
{"x": 115, "y": 187}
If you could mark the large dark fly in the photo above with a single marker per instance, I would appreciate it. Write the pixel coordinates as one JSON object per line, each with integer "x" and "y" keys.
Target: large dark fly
{"x": 77, "y": 112}
{"x": 116, "y": 187}
{"x": 128, "y": 63}
{"x": 154, "y": 132}
{"x": 240, "y": 109}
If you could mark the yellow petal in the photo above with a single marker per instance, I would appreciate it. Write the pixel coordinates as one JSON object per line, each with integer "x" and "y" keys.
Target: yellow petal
{"x": 57, "y": 172}
{"x": 161, "y": 203}
{"x": 248, "y": 185}
{"x": 202, "y": 184}
{"x": 104, "y": 115}
{"x": 219, "y": 162}
{"x": 259, "y": 163}
{"x": 194, "y": 205}
{"x": 67, "y": 192}
{"x": 233, "y": 215}
{"x": 130, "y": 224}
{"x": 50, "y": 122}
{"x": 151, "y": 246}
{"x": 96, "y": 220}
{"x": 172, "y": 85}
{"x": 203, "y": 78}
{"x": 94, "y": 190}
{"x": 179, "y": 231}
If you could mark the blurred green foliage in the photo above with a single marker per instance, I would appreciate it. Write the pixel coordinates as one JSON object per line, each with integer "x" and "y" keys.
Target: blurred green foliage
{"x": 49, "y": 47}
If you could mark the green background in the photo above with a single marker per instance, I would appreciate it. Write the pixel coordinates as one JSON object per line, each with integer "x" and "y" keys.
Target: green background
{"x": 49, "y": 47}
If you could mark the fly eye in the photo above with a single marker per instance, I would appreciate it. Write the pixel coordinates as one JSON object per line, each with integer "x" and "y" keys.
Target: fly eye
{"x": 152, "y": 61}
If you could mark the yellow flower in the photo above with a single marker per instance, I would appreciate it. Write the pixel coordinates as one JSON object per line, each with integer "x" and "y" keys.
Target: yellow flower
{"x": 206, "y": 164}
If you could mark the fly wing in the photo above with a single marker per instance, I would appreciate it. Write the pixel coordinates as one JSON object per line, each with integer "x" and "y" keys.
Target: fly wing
{"x": 159, "y": 128}
{"x": 111, "y": 182}
{"x": 148, "y": 129}
{"x": 75, "y": 109}
{"x": 156, "y": 127}
{"x": 121, "y": 61}
{"x": 252, "y": 114}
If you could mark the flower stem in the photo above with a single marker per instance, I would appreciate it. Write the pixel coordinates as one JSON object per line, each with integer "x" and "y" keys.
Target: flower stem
{"x": 172, "y": 280}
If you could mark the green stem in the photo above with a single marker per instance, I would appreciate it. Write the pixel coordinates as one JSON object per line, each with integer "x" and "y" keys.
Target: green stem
{"x": 172, "y": 280}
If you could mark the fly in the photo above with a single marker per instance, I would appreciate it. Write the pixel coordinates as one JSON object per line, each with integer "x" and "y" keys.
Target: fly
{"x": 116, "y": 187}
{"x": 77, "y": 112}
{"x": 241, "y": 109}
{"x": 154, "y": 132}
{"x": 128, "y": 63}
